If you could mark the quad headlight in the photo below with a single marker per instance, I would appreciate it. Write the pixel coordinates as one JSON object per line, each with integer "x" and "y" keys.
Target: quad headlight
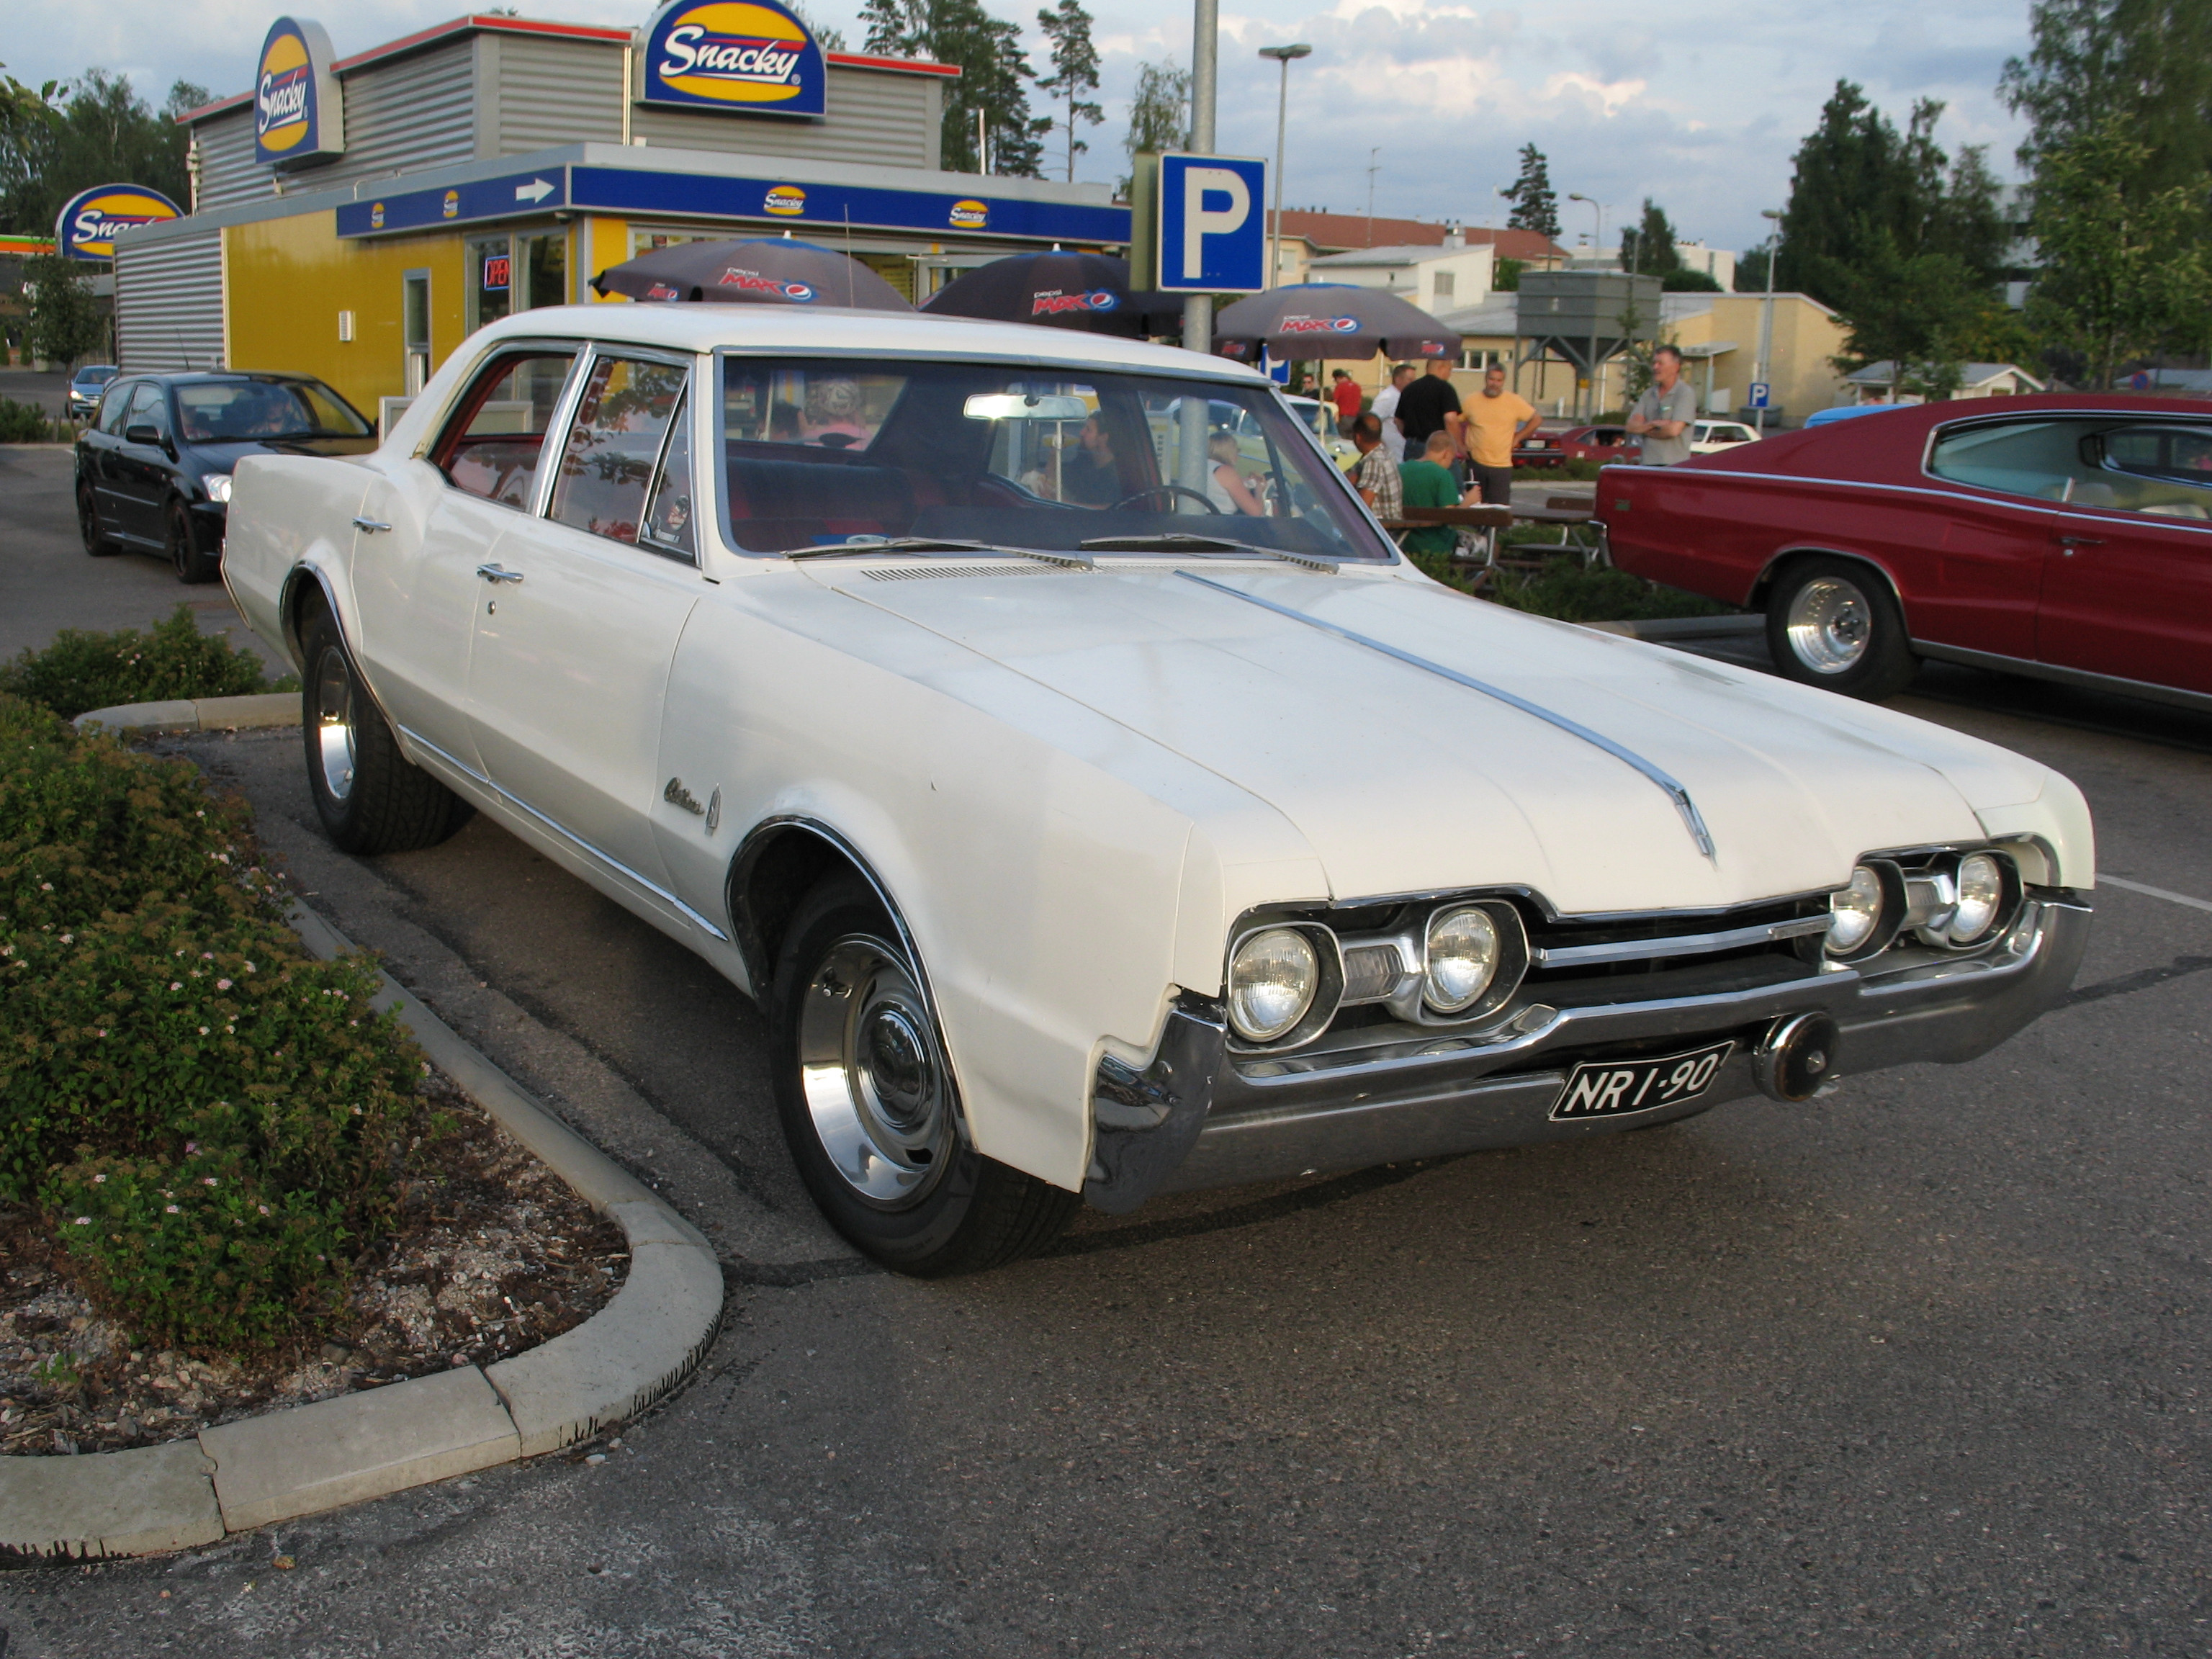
{"x": 1855, "y": 912}
{"x": 1981, "y": 897}
{"x": 1272, "y": 979}
{"x": 1462, "y": 957}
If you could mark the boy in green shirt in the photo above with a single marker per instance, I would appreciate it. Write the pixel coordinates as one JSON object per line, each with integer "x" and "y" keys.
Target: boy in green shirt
{"x": 1429, "y": 482}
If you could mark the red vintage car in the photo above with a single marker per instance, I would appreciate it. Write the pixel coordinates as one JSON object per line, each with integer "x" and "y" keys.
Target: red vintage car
{"x": 2068, "y": 538}
{"x": 1602, "y": 444}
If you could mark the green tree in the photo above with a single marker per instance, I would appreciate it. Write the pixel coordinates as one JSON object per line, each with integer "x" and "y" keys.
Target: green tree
{"x": 1534, "y": 207}
{"x": 1647, "y": 249}
{"x": 2124, "y": 263}
{"x": 830, "y": 40}
{"x": 993, "y": 71}
{"x": 1688, "y": 279}
{"x": 1505, "y": 275}
{"x": 1751, "y": 267}
{"x": 1074, "y": 71}
{"x": 65, "y": 324}
{"x": 2147, "y": 62}
{"x": 1159, "y": 113}
{"x": 104, "y": 133}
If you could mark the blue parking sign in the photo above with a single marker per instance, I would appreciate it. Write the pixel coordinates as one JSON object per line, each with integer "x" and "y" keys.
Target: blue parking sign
{"x": 1213, "y": 224}
{"x": 1760, "y": 393}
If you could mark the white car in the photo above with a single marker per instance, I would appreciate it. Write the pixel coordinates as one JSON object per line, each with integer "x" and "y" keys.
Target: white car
{"x": 1321, "y": 418}
{"x": 1709, "y": 437}
{"x": 1083, "y": 833}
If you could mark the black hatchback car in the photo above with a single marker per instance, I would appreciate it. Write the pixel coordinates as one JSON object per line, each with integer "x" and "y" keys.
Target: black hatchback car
{"x": 153, "y": 470}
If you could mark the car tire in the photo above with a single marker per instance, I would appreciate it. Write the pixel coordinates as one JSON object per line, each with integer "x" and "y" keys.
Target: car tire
{"x": 1833, "y": 624}
{"x": 869, "y": 1106}
{"x": 370, "y": 797}
{"x": 182, "y": 543}
{"x": 97, "y": 542}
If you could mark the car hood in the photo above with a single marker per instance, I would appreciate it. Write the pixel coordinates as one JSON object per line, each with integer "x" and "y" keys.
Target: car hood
{"x": 224, "y": 456}
{"x": 1402, "y": 779}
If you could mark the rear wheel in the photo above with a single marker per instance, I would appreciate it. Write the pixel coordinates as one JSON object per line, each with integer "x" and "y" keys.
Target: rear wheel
{"x": 97, "y": 541}
{"x": 870, "y": 1109}
{"x": 370, "y": 797}
{"x": 193, "y": 564}
{"x": 1831, "y": 622}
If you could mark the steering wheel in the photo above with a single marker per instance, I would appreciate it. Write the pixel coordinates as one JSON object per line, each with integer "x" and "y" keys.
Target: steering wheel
{"x": 1170, "y": 490}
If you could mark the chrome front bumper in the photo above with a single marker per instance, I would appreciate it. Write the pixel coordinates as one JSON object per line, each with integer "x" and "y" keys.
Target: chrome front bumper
{"x": 1199, "y": 1116}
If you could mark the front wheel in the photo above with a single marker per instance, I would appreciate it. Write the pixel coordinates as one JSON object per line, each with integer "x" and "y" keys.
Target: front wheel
{"x": 870, "y": 1107}
{"x": 193, "y": 564}
{"x": 370, "y": 797}
{"x": 1831, "y": 622}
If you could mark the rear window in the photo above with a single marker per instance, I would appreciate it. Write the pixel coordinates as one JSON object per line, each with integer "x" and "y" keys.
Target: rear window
{"x": 2164, "y": 470}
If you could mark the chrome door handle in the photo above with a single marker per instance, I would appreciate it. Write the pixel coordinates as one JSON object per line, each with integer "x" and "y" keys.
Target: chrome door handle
{"x": 370, "y": 527}
{"x": 492, "y": 573}
{"x": 2081, "y": 541}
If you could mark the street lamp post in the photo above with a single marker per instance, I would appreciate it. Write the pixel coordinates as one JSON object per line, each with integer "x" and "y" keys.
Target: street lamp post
{"x": 1766, "y": 320}
{"x": 1597, "y": 241}
{"x": 1205, "y": 40}
{"x": 1282, "y": 55}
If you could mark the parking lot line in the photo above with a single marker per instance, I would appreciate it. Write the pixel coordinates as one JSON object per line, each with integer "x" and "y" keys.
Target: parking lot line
{"x": 2155, "y": 892}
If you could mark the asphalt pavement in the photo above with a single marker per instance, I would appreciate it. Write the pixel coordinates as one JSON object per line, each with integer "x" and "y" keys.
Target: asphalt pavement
{"x": 1916, "y": 1369}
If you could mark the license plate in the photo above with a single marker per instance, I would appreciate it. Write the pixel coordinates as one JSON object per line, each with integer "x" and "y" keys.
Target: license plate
{"x": 1614, "y": 1088}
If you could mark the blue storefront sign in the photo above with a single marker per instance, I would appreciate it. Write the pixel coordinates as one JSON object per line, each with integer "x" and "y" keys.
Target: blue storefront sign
{"x": 503, "y": 197}
{"x": 298, "y": 112}
{"x": 733, "y": 57}
{"x": 1214, "y": 229}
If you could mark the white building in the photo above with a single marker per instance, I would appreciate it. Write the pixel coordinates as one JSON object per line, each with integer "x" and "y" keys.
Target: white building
{"x": 1449, "y": 276}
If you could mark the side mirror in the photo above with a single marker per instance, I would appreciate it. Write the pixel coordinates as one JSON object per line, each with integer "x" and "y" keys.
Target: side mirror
{"x": 143, "y": 432}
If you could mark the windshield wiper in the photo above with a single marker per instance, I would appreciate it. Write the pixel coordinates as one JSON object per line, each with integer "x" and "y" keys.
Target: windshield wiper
{"x": 936, "y": 545}
{"x": 1180, "y": 543}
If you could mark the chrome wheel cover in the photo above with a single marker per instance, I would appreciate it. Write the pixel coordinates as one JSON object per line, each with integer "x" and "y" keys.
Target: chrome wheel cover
{"x": 1830, "y": 625}
{"x": 334, "y": 744}
{"x": 873, "y": 1073}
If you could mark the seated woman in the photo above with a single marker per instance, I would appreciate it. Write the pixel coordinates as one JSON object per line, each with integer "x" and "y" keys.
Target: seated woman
{"x": 1225, "y": 484}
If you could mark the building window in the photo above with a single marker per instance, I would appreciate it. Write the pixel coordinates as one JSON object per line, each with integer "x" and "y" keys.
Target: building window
{"x": 491, "y": 280}
{"x": 415, "y": 324}
{"x": 1444, "y": 285}
{"x": 541, "y": 265}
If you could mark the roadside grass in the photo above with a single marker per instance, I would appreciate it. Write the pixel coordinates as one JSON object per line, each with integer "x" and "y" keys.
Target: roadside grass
{"x": 1562, "y": 587}
{"x": 27, "y": 423}
{"x": 82, "y": 670}
{"x": 211, "y": 1125}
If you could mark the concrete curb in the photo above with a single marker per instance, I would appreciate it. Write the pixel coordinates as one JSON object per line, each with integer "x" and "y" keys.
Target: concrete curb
{"x": 264, "y": 709}
{"x": 1682, "y": 628}
{"x": 633, "y": 1352}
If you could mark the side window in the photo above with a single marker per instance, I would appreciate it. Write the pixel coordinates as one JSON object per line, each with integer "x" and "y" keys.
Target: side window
{"x": 115, "y": 407}
{"x": 150, "y": 407}
{"x": 668, "y": 509}
{"x": 2041, "y": 458}
{"x": 492, "y": 445}
{"x": 2161, "y": 470}
{"x": 614, "y": 445}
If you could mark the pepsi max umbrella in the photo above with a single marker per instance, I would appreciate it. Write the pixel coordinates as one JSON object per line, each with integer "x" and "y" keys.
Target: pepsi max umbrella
{"x": 760, "y": 271}
{"x": 1088, "y": 291}
{"x": 1329, "y": 319}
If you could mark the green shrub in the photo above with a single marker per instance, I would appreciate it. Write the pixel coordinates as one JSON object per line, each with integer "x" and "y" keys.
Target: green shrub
{"x": 1567, "y": 468}
{"x": 82, "y": 670}
{"x": 1564, "y": 589}
{"x": 212, "y": 1124}
{"x": 27, "y": 423}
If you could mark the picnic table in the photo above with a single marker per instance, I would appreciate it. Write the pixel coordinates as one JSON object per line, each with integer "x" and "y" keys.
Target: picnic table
{"x": 1570, "y": 512}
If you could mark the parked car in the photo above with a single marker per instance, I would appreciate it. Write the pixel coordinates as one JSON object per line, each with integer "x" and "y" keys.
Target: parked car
{"x": 2068, "y": 538}
{"x": 1849, "y": 411}
{"x": 1096, "y": 852}
{"x": 85, "y": 387}
{"x": 1321, "y": 418}
{"x": 153, "y": 468}
{"x": 1602, "y": 444}
{"x": 1710, "y": 437}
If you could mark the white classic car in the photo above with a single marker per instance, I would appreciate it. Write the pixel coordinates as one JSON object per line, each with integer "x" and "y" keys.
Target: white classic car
{"x": 1094, "y": 800}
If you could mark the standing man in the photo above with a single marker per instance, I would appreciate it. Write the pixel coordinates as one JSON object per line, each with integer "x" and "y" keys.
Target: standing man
{"x": 1496, "y": 424}
{"x": 1344, "y": 392}
{"x": 1663, "y": 415}
{"x": 1376, "y": 478}
{"x": 1428, "y": 406}
{"x": 1385, "y": 410}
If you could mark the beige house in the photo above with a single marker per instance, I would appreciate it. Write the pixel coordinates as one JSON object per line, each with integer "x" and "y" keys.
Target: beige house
{"x": 1877, "y": 382}
{"x": 1719, "y": 335}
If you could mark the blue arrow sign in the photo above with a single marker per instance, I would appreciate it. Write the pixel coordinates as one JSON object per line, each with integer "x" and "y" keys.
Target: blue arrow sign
{"x": 481, "y": 199}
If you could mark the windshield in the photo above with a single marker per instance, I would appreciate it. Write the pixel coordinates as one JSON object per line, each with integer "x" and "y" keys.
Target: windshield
{"x": 245, "y": 412}
{"x": 97, "y": 374}
{"x": 820, "y": 452}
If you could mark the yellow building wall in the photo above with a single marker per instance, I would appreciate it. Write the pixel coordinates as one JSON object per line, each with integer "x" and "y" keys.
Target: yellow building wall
{"x": 1806, "y": 336}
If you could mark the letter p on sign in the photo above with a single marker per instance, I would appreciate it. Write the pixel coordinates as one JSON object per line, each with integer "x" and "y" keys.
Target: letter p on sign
{"x": 1213, "y": 235}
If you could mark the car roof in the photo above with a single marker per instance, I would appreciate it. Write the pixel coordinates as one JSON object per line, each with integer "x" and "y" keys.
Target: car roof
{"x": 693, "y": 326}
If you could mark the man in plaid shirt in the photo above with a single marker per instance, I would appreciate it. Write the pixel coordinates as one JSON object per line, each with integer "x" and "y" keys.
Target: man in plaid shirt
{"x": 1376, "y": 477}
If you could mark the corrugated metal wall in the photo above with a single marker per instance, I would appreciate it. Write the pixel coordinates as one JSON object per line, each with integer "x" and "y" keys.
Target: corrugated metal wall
{"x": 169, "y": 304}
{"x": 875, "y": 119}
{"x": 229, "y": 172}
{"x": 552, "y": 92}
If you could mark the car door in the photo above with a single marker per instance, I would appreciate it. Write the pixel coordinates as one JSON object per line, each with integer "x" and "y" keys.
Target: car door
{"x": 2128, "y": 588}
{"x": 429, "y": 528}
{"x": 142, "y": 465}
{"x": 103, "y": 441}
{"x": 1973, "y": 573}
{"x": 574, "y": 634}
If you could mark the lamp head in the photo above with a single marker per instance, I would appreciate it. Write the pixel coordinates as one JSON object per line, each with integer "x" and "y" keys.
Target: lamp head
{"x": 1285, "y": 54}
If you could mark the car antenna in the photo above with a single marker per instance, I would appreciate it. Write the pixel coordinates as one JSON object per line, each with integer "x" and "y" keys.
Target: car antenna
{"x": 850, "y": 296}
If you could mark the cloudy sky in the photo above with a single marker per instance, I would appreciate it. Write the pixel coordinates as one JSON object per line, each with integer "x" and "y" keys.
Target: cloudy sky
{"x": 1698, "y": 105}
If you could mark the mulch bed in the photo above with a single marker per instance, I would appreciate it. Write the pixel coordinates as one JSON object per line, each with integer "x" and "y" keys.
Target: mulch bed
{"x": 493, "y": 1254}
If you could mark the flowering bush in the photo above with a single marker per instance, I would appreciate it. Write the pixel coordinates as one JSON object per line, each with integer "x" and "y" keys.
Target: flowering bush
{"x": 82, "y": 670}
{"x": 213, "y": 1123}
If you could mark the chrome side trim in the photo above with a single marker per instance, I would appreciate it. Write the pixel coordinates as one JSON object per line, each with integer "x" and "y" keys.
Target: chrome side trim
{"x": 1674, "y": 791}
{"x": 2174, "y": 696}
{"x": 416, "y": 739}
{"x": 1685, "y": 944}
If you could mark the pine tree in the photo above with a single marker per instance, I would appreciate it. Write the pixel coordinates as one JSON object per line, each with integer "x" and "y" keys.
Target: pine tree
{"x": 1647, "y": 249}
{"x": 1534, "y": 207}
{"x": 992, "y": 67}
{"x": 1074, "y": 71}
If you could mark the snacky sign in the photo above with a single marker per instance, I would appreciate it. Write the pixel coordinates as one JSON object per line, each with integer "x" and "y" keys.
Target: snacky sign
{"x": 298, "y": 109}
{"x": 737, "y": 57}
{"x": 90, "y": 220}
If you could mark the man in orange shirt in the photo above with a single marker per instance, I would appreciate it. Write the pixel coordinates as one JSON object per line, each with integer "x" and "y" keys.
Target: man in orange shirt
{"x": 1493, "y": 425}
